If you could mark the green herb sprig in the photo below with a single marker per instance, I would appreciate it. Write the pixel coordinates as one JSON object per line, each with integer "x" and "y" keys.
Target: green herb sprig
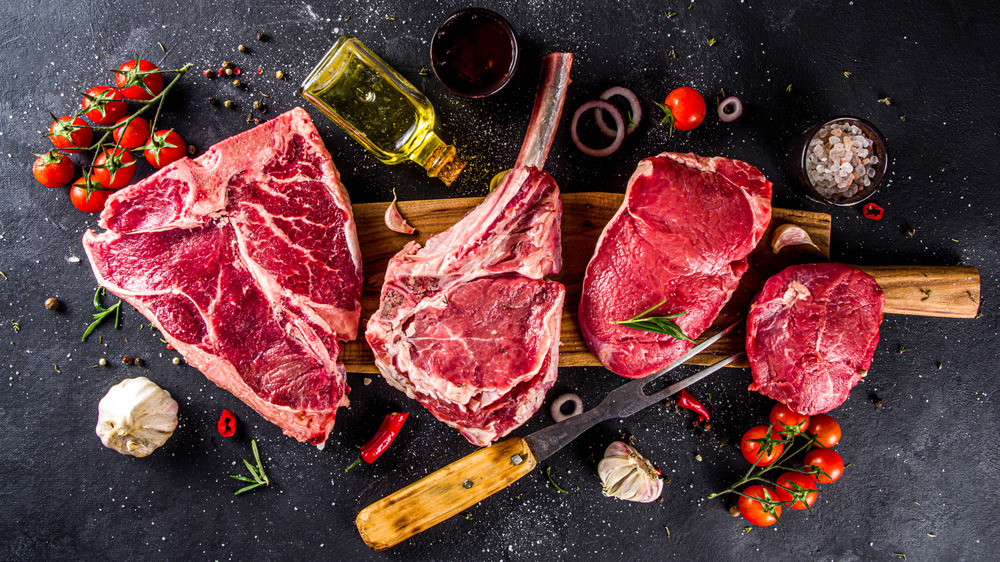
{"x": 102, "y": 313}
{"x": 548, "y": 474}
{"x": 259, "y": 476}
{"x": 657, "y": 324}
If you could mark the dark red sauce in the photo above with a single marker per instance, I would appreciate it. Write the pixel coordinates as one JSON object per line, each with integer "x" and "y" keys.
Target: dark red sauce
{"x": 474, "y": 52}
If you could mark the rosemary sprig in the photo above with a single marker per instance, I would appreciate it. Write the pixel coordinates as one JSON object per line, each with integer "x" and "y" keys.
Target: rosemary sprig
{"x": 548, "y": 474}
{"x": 259, "y": 476}
{"x": 657, "y": 324}
{"x": 102, "y": 313}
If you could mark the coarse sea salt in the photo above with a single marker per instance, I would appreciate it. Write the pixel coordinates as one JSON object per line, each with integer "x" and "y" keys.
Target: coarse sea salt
{"x": 840, "y": 160}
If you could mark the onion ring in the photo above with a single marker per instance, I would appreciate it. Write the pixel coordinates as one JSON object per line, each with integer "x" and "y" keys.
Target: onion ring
{"x": 556, "y": 410}
{"x": 619, "y": 133}
{"x": 633, "y": 100}
{"x": 730, "y": 109}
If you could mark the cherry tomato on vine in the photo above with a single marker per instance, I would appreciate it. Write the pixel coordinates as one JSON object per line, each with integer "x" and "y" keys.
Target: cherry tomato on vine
{"x": 70, "y": 134}
{"x": 783, "y": 418}
{"x": 103, "y": 105}
{"x": 133, "y": 135}
{"x": 134, "y": 84}
{"x": 164, "y": 147}
{"x": 828, "y": 461}
{"x": 684, "y": 108}
{"x": 52, "y": 169}
{"x": 799, "y": 485}
{"x": 92, "y": 204}
{"x": 113, "y": 169}
{"x": 825, "y": 429}
{"x": 763, "y": 454}
{"x": 758, "y": 512}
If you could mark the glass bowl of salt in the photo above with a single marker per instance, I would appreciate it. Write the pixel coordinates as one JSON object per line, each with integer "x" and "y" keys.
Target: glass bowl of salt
{"x": 841, "y": 161}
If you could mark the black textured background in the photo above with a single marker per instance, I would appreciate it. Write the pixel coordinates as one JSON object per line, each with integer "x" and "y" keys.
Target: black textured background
{"x": 923, "y": 473}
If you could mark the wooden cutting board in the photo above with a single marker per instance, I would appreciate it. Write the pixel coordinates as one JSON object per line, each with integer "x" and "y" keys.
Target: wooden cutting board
{"x": 954, "y": 291}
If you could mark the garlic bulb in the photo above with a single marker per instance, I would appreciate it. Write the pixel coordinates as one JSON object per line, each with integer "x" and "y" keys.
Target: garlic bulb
{"x": 791, "y": 235}
{"x": 135, "y": 417}
{"x": 627, "y": 475}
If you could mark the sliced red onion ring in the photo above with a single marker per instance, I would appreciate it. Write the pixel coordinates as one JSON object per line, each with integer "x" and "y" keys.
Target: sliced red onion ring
{"x": 557, "y": 413}
{"x": 394, "y": 220}
{"x": 633, "y": 100}
{"x": 619, "y": 132}
{"x": 730, "y": 109}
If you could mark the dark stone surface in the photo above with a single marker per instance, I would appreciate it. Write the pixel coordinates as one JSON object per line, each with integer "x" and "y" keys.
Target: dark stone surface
{"x": 923, "y": 467}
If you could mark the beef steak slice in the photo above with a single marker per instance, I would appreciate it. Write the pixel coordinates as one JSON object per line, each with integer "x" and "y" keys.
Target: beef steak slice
{"x": 246, "y": 259}
{"x": 811, "y": 334}
{"x": 681, "y": 237}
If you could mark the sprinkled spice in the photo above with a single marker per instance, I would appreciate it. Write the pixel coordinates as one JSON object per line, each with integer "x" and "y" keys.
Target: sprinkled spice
{"x": 137, "y": 362}
{"x": 102, "y": 362}
{"x": 237, "y": 83}
{"x": 734, "y": 511}
{"x": 672, "y": 54}
{"x": 261, "y": 37}
{"x": 212, "y": 101}
{"x": 229, "y": 72}
{"x": 910, "y": 232}
{"x": 52, "y": 303}
{"x": 885, "y": 101}
{"x": 191, "y": 149}
{"x": 257, "y": 105}
{"x": 127, "y": 360}
{"x": 710, "y": 41}
{"x": 208, "y": 73}
{"x": 876, "y": 400}
{"x": 279, "y": 75}
{"x": 847, "y": 74}
{"x": 670, "y": 14}
{"x": 227, "y": 64}
{"x": 789, "y": 88}
{"x": 927, "y": 294}
{"x": 176, "y": 361}
{"x": 241, "y": 48}
{"x": 229, "y": 104}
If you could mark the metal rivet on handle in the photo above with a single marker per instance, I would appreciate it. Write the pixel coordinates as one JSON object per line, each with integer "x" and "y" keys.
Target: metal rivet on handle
{"x": 516, "y": 460}
{"x": 467, "y": 484}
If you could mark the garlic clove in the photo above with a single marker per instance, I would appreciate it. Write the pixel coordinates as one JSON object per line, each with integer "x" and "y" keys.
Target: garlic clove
{"x": 135, "y": 417}
{"x": 627, "y": 475}
{"x": 791, "y": 235}
{"x": 394, "y": 220}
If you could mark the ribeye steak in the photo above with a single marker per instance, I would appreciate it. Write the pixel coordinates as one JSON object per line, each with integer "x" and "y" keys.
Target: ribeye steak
{"x": 246, "y": 259}
{"x": 467, "y": 325}
{"x": 811, "y": 334}
{"x": 681, "y": 237}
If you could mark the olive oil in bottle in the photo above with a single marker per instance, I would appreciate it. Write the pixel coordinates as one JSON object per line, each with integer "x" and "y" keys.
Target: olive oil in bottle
{"x": 379, "y": 108}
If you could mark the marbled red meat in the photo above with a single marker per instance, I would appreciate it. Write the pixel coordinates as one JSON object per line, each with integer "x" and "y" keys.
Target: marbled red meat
{"x": 246, "y": 259}
{"x": 467, "y": 325}
{"x": 681, "y": 237}
{"x": 811, "y": 334}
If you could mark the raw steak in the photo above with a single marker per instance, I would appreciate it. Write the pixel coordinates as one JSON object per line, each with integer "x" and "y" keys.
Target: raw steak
{"x": 681, "y": 237}
{"x": 246, "y": 259}
{"x": 466, "y": 325}
{"x": 811, "y": 334}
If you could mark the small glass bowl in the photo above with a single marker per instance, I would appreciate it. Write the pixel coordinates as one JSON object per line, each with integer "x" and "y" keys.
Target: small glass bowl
{"x": 796, "y": 161}
{"x": 465, "y": 48}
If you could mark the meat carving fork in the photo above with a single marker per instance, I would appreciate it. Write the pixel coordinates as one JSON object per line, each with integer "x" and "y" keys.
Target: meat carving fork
{"x": 465, "y": 482}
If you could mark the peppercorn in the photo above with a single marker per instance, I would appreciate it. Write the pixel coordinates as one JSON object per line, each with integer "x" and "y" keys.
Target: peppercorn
{"x": 227, "y": 64}
{"x": 211, "y": 101}
{"x": 229, "y": 104}
{"x": 261, "y": 37}
{"x": 137, "y": 361}
{"x": 191, "y": 149}
{"x": 279, "y": 75}
{"x": 208, "y": 73}
{"x": 176, "y": 361}
{"x": 127, "y": 360}
{"x": 229, "y": 72}
{"x": 52, "y": 303}
{"x": 734, "y": 511}
{"x": 237, "y": 83}
{"x": 706, "y": 426}
{"x": 257, "y": 105}
{"x": 241, "y": 48}
{"x": 102, "y": 362}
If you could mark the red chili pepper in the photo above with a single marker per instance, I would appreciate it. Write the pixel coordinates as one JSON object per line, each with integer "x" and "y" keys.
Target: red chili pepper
{"x": 687, "y": 400}
{"x": 227, "y": 424}
{"x": 873, "y": 211}
{"x": 384, "y": 437}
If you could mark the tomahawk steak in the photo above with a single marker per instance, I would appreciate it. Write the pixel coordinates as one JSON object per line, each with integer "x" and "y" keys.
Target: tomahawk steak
{"x": 678, "y": 244}
{"x": 246, "y": 259}
{"x": 811, "y": 334}
{"x": 467, "y": 325}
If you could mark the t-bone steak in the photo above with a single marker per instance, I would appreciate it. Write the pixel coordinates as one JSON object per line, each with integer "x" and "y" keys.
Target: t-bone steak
{"x": 680, "y": 238}
{"x": 247, "y": 260}
{"x": 467, "y": 325}
{"x": 811, "y": 334}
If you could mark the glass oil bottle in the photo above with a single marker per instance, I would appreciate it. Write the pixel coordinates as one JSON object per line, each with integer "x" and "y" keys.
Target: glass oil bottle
{"x": 379, "y": 108}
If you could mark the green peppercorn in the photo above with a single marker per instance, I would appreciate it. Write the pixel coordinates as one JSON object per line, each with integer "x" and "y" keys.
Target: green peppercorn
{"x": 229, "y": 104}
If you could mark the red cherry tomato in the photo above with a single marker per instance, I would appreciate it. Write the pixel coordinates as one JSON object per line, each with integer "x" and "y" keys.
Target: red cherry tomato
{"x": 784, "y": 419}
{"x": 134, "y": 82}
{"x": 103, "y": 105}
{"x": 686, "y": 108}
{"x": 828, "y": 461}
{"x": 756, "y": 452}
{"x": 796, "y": 486}
{"x": 70, "y": 134}
{"x": 133, "y": 135}
{"x": 164, "y": 147}
{"x": 52, "y": 169}
{"x": 117, "y": 171}
{"x": 825, "y": 429}
{"x": 79, "y": 196}
{"x": 756, "y": 511}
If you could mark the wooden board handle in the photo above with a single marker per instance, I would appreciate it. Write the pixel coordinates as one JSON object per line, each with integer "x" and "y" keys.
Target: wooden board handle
{"x": 951, "y": 291}
{"x": 444, "y": 493}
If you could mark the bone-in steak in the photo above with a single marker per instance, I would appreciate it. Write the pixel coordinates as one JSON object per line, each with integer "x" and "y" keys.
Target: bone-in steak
{"x": 467, "y": 326}
{"x": 811, "y": 334}
{"x": 246, "y": 259}
{"x": 681, "y": 237}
